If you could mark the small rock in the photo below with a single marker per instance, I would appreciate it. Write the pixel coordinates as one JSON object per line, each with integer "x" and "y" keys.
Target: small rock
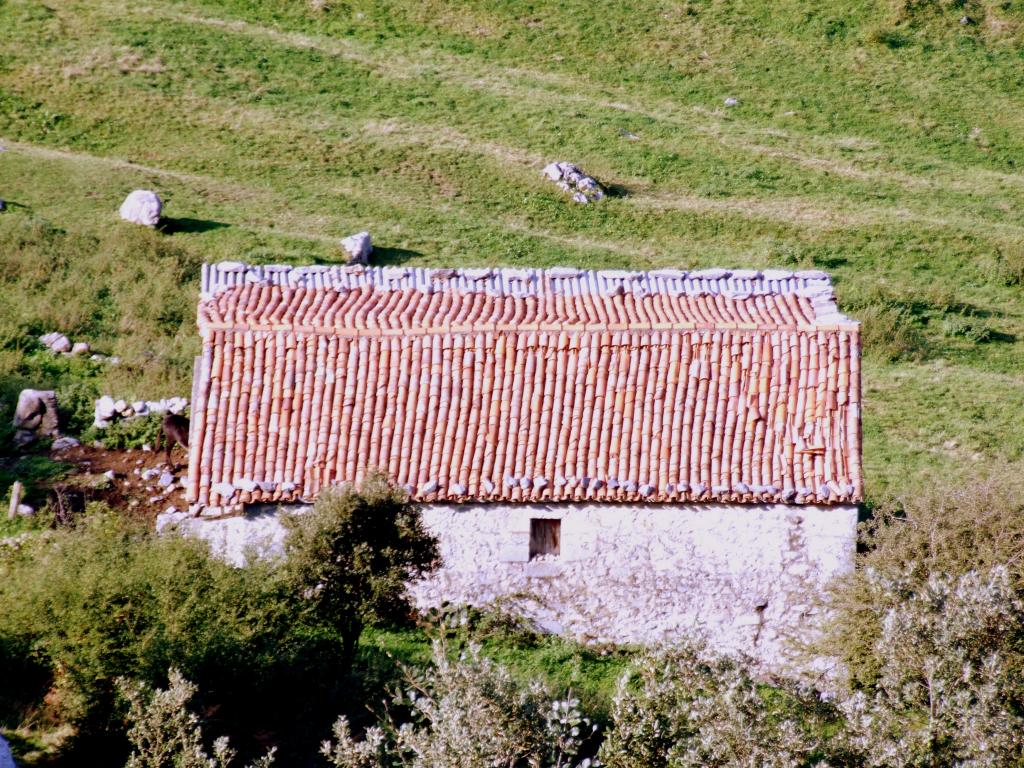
{"x": 965, "y": 20}
{"x": 114, "y": 360}
{"x": 176, "y": 404}
{"x": 358, "y": 247}
{"x": 731, "y": 101}
{"x": 63, "y": 443}
{"x": 147, "y": 448}
{"x": 140, "y": 408}
{"x": 120, "y": 406}
{"x": 227, "y": 490}
{"x": 143, "y": 207}
{"x": 80, "y": 348}
{"x": 571, "y": 179}
{"x": 166, "y": 479}
{"x": 105, "y": 408}
{"x": 25, "y": 510}
{"x": 149, "y": 474}
{"x": 109, "y": 474}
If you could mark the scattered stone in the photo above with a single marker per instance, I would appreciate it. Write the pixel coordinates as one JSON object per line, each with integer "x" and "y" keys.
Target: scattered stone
{"x": 582, "y": 188}
{"x": 149, "y": 474}
{"x": 35, "y": 416}
{"x": 140, "y": 408}
{"x": 965, "y": 20}
{"x": 80, "y": 348}
{"x": 143, "y": 207}
{"x": 64, "y": 443}
{"x": 109, "y": 474}
{"x": 146, "y": 447}
{"x": 25, "y": 510}
{"x": 358, "y": 247}
{"x": 628, "y": 135}
{"x": 731, "y": 101}
{"x": 56, "y": 342}
{"x": 120, "y": 406}
{"x": 166, "y": 479}
{"x": 105, "y": 408}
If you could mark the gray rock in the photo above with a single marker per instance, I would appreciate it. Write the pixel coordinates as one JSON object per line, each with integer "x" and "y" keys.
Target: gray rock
{"x": 25, "y": 510}
{"x": 358, "y": 247}
{"x": 166, "y": 479}
{"x": 63, "y": 443}
{"x": 35, "y": 416}
{"x": 143, "y": 207}
{"x": 731, "y": 101}
{"x": 582, "y": 188}
{"x": 105, "y": 408}
{"x": 80, "y": 348}
{"x": 109, "y": 474}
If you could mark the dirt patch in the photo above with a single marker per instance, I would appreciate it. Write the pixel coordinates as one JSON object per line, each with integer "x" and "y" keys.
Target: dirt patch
{"x": 135, "y": 487}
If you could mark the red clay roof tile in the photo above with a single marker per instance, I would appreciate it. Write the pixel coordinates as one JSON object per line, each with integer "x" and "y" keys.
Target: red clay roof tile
{"x": 525, "y": 385}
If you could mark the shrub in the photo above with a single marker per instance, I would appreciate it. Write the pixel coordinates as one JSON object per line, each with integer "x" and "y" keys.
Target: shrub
{"x": 164, "y": 733}
{"x": 946, "y": 693}
{"x": 467, "y": 713}
{"x": 128, "y": 433}
{"x": 686, "y": 707}
{"x": 935, "y": 528}
{"x": 106, "y": 599}
{"x": 352, "y": 555}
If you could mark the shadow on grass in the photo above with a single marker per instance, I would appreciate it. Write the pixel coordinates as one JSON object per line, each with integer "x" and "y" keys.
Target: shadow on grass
{"x": 189, "y": 226}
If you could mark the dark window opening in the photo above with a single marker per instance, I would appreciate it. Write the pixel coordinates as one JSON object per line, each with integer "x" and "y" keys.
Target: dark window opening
{"x": 545, "y": 537}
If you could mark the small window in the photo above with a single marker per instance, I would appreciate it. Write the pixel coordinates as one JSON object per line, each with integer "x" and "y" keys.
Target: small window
{"x": 545, "y": 537}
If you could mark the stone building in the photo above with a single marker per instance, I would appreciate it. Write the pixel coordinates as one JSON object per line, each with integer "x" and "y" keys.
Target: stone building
{"x": 622, "y": 456}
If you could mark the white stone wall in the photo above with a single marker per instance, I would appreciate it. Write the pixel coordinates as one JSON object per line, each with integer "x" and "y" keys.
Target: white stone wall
{"x": 743, "y": 576}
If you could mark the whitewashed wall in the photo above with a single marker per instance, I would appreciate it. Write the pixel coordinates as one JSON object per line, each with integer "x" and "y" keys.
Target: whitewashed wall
{"x": 744, "y": 576}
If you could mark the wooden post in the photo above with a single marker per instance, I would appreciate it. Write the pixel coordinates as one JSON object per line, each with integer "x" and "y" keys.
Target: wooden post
{"x": 17, "y": 489}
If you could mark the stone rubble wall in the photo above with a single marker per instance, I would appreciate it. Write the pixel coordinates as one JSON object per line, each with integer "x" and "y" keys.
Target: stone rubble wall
{"x": 745, "y": 577}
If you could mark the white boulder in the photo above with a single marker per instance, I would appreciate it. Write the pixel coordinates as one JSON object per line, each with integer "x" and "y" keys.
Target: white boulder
{"x": 358, "y": 247}
{"x": 106, "y": 408}
{"x": 80, "y": 348}
{"x": 142, "y": 206}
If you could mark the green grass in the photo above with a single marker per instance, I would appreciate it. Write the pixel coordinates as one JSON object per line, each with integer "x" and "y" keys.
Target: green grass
{"x": 881, "y": 142}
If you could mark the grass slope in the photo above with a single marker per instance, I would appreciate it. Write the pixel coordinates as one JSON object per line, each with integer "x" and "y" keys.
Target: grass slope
{"x": 880, "y": 141}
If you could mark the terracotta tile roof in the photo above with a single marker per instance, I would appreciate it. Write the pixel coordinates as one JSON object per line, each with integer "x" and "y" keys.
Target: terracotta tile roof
{"x": 525, "y": 385}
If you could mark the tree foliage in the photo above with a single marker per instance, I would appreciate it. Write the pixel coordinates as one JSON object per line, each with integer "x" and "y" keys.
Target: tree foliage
{"x": 353, "y": 554}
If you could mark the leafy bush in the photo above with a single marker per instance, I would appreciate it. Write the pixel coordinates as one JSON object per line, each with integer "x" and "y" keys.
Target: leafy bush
{"x": 128, "y": 433}
{"x": 688, "y": 707}
{"x": 352, "y": 555}
{"x": 466, "y": 713}
{"x": 947, "y": 691}
{"x": 936, "y": 528}
{"x": 163, "y": 732}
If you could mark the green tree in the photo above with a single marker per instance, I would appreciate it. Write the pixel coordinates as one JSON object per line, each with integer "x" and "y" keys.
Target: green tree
{"x": 352, "y": 555}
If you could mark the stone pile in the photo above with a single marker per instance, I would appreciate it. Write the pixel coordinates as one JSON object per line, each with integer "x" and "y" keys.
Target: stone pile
{"x": 570, "y": 178}
{"x": 143, "y": 206}
{"x": 108, "y": 410}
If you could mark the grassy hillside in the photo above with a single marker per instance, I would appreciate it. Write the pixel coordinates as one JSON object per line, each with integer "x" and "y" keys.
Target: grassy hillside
{"x": 882, "y": 142}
